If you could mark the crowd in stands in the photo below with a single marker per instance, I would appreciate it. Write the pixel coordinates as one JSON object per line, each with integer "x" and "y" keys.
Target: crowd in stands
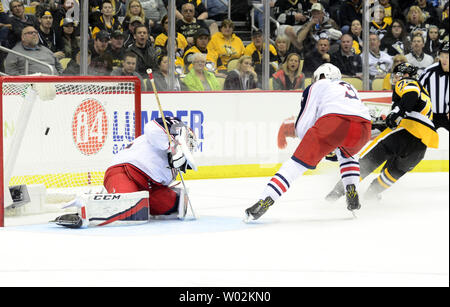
{"x": 126, "y": 37}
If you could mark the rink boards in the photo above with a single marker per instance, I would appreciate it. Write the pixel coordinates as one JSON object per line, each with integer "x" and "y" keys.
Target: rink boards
{"x": 237, "y": 133}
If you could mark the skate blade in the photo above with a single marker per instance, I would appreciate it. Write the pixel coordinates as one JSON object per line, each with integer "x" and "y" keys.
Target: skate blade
{"x": 248, "y": 218}
{"x": 354, "y": 214}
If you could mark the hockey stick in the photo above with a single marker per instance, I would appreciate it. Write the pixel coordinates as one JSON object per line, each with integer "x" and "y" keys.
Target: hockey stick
{"x": 152, "y": 81}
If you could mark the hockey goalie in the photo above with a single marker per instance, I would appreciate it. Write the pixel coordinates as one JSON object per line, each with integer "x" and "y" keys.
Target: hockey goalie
{"x": 139, "y": 178}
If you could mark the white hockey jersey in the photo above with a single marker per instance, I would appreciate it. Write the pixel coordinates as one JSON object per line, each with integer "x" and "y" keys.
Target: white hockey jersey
{"x": 328, "y": 97}
{"x": 148, "y": 153}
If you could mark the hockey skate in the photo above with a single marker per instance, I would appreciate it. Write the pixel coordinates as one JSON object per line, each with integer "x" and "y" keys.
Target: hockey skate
{"x": 258, "y": 209}
{"x": 352, "y": 198}
{"x": 72, "y": 220}
{"x": 374, "y": 191}
{"x": 336, "y": 193}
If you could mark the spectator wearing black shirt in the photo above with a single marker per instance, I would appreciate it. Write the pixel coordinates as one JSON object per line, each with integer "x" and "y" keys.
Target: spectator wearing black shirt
{"x": 429, "y": 11}
{"x": 19, "y": 20}
{"x": 70, "y": 41}
{"x": 116, "y": 48}
{"x": 432, "y": 43}
{"x": 48, "y": 36}
{"x": 146, "y": 54}
{"x": 317, "y": 57}
{"x": 189, "y": 25}
{"x": 99, "y": 45}
{"x": 201, "y": 13}
{"x": 349, "y": 11}
{"x": 397, "y": 40}
{"x": 346, "y": 60}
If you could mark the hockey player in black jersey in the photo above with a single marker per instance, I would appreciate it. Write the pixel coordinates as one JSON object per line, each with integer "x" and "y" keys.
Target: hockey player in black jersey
{"x": 402, "y": 145}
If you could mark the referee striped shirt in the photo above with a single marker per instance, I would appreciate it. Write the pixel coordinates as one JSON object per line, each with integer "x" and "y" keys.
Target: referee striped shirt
{"x": 435, "y": 81}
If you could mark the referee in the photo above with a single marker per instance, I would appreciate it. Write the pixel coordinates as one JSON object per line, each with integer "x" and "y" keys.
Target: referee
{"x": 435, "y": 80}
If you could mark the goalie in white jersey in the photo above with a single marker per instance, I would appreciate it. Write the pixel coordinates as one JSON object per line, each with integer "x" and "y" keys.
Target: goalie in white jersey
{"x": 332, "y": 118}
{"x": 150, "y": 164}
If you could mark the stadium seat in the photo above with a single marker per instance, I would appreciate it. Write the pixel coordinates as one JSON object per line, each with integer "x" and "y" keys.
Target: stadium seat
{"x": 307, "y": 82}
{"x": 377, "y": 84}
{"x": 356, "y": 82}
{"x": 301, "y": 65}
{"x": 271, "y": 84}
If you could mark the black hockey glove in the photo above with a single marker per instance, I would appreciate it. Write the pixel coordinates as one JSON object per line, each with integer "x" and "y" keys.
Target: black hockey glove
{"x": 379, "y": 123}
{"x": 393, "y": 120}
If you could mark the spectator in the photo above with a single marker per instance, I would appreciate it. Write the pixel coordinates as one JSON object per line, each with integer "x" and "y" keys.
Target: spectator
{"x": 199, "y": 79}
{"x": 225, "y": 46}
{"x": 129, "y": 68}
{"x": 161, "y": 39}
{"x": 29, "y": 45}
{"x": 318, "y": 26}
{"x": 48, "y": 37}
{"x": 397, "y": 40}
{"x": 444, "y": 25}
{"x": 433, "y": 43}
{"x": 380, "y": 62}
{"x": 217, "y": 10}
{"x": 145, "y": 52}
{"x": 356, "y": 32}
{"x": 116, "y": 48}
{"x": 134, "y": 8}
{"x": 243, "y": 77}
{"x": 429, "y": 11}
{"x": 290, "y": 14}
{"x": 73, "y": 67}
{"x": 18, "y": 21}
{"x": 377, "y": 25}
{"x": 317, "y": 57}
{"x": 62, "y": 11}
{"x": 71, "y": 42}
{"x": 415, "y": 21}
{"x": 290, "y": 76}
{"x": 129, "y": 33}
{"x": 418, "y": 57}
{"x": 201, "y": 40}
{"x": 99, "y": 45}
{"x": 284, "y": 48}
{"x": 5, "y": 27}
{"x": 161, "y": 76}
{"x": 389, "y": 80}
{"x": 201, "y": 13}
{"x": 189, "y": 25}
{"x": 391, "y": 11}
{"x": 349, "y": 63}
{"x": 256, "y": 49}
{"x": 107, "y": 21}
{"x": 259, "y": 11}
{"x": 154, "y": 10}
{"x": 349, "y": 11}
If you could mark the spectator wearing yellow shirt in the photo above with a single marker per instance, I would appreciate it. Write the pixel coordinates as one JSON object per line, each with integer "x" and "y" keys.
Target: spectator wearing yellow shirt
{"x": 225, "y": 46}
{"x": 256, "y": 49}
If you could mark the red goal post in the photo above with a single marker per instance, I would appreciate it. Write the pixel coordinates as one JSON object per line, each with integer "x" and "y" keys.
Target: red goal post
{"x": 66, "y": 141}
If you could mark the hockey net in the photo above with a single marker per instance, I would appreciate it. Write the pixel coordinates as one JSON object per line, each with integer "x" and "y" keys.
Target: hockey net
{"x": 63, "y": 144}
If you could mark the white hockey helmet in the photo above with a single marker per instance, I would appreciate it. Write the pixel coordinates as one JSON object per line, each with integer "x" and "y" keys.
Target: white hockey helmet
{"x": 329, "y": 71}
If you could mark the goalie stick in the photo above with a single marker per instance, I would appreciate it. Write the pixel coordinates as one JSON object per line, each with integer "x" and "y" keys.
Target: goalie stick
{"x": 152, "y": 81}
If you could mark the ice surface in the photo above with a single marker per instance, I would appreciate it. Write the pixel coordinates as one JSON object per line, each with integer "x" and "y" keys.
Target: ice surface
{"x": 301, "y": 241}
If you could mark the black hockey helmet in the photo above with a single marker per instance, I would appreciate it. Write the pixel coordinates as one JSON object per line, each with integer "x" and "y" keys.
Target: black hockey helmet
{"x": 406, "y": 68}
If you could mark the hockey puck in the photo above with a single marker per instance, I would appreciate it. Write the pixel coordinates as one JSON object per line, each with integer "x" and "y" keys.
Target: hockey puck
{"x": 47, "y": 130}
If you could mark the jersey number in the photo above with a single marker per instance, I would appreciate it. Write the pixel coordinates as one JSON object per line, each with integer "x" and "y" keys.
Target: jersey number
{"x": 351, "y": 92}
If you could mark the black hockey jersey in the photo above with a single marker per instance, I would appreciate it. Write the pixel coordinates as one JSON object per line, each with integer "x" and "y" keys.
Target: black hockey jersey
{"x": 415, "y": 107}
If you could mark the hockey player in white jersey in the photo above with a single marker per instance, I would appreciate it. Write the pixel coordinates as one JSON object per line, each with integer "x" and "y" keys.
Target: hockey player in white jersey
{"x": 150, "y": 164}
{"x": 332, "y": 118}
{"x": 138, "y": 180}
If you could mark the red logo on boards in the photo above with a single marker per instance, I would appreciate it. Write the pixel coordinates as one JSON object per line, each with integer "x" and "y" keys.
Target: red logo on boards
{"x": 90, "y": 126}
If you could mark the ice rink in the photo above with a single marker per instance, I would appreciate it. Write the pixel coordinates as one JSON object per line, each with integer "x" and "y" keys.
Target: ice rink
{"x": 302, "y": 240}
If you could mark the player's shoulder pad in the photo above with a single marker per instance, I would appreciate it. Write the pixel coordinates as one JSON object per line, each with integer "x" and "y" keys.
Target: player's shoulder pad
{"x": 407, "y": 85}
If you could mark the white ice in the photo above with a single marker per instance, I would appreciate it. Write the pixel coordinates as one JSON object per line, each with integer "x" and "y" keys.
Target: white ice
{"x": 302, "y": 240}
